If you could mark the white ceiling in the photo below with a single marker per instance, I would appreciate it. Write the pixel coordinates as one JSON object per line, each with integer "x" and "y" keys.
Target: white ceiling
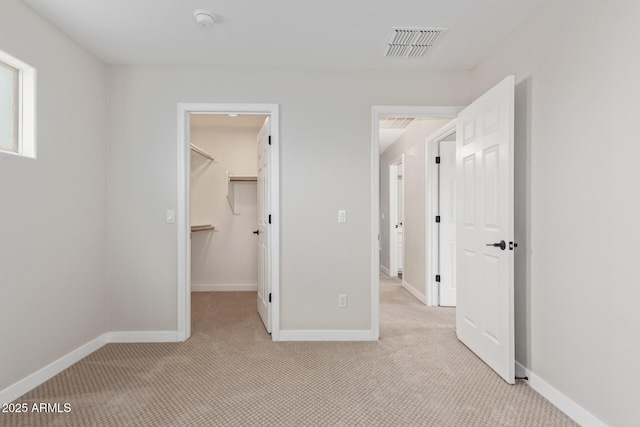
{"x": 284, "y": 33}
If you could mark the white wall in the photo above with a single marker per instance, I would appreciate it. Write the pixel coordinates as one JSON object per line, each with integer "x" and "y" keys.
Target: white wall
{"x": 577, "y": 199}
{"x": 228, "y": 255}
{"x": 325, "y": 166}
{"x": 53, "y": 222}
{"x": 414, "y": 204}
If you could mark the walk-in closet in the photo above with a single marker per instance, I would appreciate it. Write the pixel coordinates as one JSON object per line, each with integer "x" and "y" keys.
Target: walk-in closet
{"x": 224, "y": 202}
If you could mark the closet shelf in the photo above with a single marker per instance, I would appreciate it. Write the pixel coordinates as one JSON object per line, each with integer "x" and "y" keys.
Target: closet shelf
{"x": 233, "y": 178}
{"x": 206, "y": 227}
{"x": 201, "y": 152}
{"x": 231, "y": 191}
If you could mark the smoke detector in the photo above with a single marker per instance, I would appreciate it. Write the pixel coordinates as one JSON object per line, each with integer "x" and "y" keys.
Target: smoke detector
{"x": 412, "y": 42}
{"x": 204, "y": 18}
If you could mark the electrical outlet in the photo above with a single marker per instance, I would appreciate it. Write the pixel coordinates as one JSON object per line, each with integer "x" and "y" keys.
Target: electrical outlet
{"x": 342, "y": 301}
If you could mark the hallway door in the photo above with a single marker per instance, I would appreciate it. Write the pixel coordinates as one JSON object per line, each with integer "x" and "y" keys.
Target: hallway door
{"x": 447, "y": 209}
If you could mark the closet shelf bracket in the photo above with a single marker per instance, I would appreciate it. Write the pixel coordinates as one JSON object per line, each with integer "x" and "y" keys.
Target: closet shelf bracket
{"x": 231, "y": 189}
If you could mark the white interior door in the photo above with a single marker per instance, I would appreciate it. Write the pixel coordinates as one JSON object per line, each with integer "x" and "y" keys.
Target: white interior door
{"x": 264, "y": 285}
{"x": 400, "y": 218}
{"x": 447, "y": 211}
{"x": 484, "y": 165}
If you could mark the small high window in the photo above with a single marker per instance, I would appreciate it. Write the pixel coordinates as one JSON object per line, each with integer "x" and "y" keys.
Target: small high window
{"x": 17, "y": 107}
{"x": 9, "y": 84}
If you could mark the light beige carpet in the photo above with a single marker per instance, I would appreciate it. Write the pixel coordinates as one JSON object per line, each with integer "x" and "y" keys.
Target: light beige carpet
{"x": 231, "y": 374}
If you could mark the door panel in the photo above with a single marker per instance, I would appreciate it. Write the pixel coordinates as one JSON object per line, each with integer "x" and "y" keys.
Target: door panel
{"x": 484, "y": 153}
{"x": 469, "y": 191}
{"x": 264, "y": 285}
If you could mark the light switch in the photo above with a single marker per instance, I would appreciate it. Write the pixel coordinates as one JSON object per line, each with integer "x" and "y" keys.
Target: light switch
{"x": 342, "y": 216}
{"x": 171, "y": 216}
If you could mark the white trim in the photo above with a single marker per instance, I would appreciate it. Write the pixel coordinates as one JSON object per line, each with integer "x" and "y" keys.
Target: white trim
{"x": 32, "y": 381}
{"x": 183, "y": 226}
{"x": 27, "y": 124}
{"x": 376, "y": 112}
{"x": 225, "y": 288}
{"x": 413, "y": 291}
{"x": 432, "y": 186}
{"x": 375, "y": 222}
{"x": 327, "y": 335}
{"x": 182, "y": 220}
{"x": 143, "y": 336}
{"x": 558, "y": 399}
{"x": 385, "y": 270}
{"x": 35, "y": 379}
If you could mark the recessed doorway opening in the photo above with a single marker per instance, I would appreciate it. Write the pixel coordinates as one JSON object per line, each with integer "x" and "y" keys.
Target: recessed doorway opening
{"x": 261, "y": 172}
{"x": 393, "y": 126}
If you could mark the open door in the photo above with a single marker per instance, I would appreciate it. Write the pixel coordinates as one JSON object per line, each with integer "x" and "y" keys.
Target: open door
{"x": 264, "y": 200}
{"x": 484, "y": 169}
{"x": 396, "y": 217}
{"x": 447, "y": 210}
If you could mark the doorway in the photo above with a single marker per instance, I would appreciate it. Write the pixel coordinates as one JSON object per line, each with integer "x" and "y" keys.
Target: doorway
{"x": 377, "y": 232}
{"x": 268, "y": 199}
{"x": 227, "y": 248}
{"x": 484, "y": 227}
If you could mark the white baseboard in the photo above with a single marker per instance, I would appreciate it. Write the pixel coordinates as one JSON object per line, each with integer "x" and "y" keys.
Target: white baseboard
{"x": 224, "y": 288}
{"x": 521, "y": 371}
{"x": 385, "y": 270}
{"x": 413, "y": 291}
{"x": 30, "y": 382}
{"x": 142, "y": 336}
{"x": 326, "y": 335}
{"x": 558, "y": 399}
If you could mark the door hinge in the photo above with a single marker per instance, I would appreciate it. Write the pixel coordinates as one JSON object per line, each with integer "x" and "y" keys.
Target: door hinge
{"x": 269, "y": 218}
{"x": 438, "y": 218}
{"x": 437, "y": 160}
{"x": 269, "y": 296}
{"x": 269, "y": 139}
{"x": 438, "y": 278}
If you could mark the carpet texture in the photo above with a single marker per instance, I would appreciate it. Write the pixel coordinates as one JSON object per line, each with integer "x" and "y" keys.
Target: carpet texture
{"x": 230, "y": 373}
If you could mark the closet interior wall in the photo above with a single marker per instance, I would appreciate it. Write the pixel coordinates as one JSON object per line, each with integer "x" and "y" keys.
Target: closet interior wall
{"x": 225, "y": 258}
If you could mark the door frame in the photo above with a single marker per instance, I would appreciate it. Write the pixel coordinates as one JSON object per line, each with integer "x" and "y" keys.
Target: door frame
{"x": 376, "y": 112}
{"x": 393, "y": 215}
{"x": 432, "y": 208}
{"x": 183, "y": 209}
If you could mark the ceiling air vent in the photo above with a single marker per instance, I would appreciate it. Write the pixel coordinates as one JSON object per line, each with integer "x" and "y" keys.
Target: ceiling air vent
{"x": 394, "y": 122}
{"x": 412, "y": 42}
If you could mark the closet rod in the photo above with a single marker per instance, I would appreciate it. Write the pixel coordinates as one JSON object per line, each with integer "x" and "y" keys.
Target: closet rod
{"x": 201, "y": 152}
